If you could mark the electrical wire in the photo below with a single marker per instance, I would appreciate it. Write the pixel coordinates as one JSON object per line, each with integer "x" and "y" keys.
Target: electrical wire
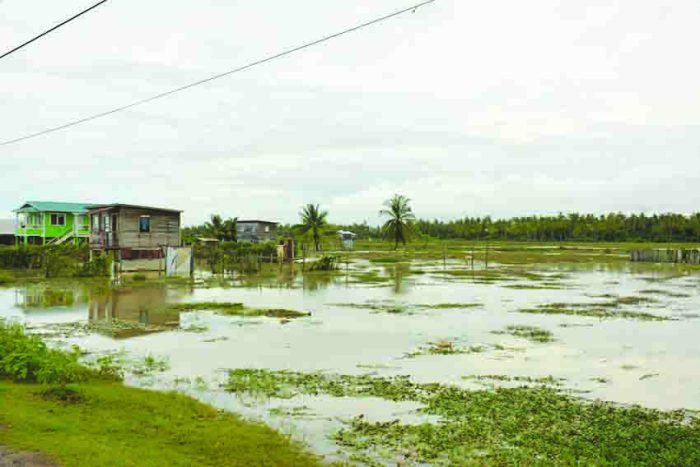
{"x": 215, "y": 77}
{"x": 52, "y": 29}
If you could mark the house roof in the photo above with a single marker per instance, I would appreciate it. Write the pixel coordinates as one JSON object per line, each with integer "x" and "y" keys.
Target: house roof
{"x": 7, "y": 227}
{"x": 53, "y": 206}
{"x": 98, "y": 207}
{"x": 255, "y": 221}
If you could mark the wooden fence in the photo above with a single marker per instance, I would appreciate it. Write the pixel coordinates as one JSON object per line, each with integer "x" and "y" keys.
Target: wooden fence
{"x": 666, "y": 256}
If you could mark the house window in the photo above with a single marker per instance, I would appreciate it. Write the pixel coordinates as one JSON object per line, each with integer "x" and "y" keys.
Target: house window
{"x": 95, "y": 222}
{"x": 267, "y": 228}
{"x": 58, "y": 219}
{"x": 144, "y": 224}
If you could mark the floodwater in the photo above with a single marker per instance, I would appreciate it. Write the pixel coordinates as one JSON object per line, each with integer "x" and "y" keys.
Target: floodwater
{"x": 352, "y": 330}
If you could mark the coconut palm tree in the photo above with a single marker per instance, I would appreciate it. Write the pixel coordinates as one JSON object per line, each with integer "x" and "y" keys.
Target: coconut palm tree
{"x": 399, "y": 227}
{"x": 230, "y": 230}
{"x": 215, "y": 226}
{"x": 224, "y": 230}
{"x": 313, "y": 221}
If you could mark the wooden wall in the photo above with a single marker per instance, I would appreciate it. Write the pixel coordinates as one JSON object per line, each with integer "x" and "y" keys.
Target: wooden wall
{"x": 165, "y": 228}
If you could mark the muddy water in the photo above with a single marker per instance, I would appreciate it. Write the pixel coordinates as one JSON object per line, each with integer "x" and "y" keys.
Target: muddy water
{"x": 653, "y": 363}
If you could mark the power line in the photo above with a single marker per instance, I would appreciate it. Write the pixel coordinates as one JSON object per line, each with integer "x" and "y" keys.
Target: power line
{"x": 52, "y": 29}
{"x": 215, "y": 77}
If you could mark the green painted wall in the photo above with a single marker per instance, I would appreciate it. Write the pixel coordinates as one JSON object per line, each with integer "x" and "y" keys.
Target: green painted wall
{"x": 40, "y": 225}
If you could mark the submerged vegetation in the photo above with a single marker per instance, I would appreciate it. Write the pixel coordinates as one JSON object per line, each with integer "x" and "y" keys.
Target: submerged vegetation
{"x": 531, "y": 333}
{"x": 505, "y": 426}
{"x": 591, "y": 310}
{"x": 237, "y": 309}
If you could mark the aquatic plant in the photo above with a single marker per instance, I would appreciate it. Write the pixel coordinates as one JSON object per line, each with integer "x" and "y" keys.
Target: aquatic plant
{"x": 592, "y": 310}
{"x": 504, "y": 426}
{"x": 531, "y": 333}
{"x": 237, "y": 309}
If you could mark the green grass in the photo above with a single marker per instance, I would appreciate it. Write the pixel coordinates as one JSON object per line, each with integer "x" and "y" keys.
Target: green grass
{"x": 116, "y": 425}
{"x": 237, "y": 309}
{"x": 504, "y": 426}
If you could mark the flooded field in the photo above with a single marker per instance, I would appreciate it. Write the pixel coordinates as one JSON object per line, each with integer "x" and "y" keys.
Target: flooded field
{"x": 323, "y": 356}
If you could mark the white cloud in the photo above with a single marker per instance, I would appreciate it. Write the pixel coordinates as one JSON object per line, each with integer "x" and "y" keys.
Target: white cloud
{"x": 501, "y": 108}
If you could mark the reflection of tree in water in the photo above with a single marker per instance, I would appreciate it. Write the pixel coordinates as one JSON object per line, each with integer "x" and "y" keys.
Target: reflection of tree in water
{"x": 131, "y": 312}
{"x": 318, "y": 280}
{"x": 398, "y": 273}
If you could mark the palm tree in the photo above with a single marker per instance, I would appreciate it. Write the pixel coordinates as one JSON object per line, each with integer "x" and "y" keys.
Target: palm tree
{"x": 224, "y": 230}
{"x": 215, "y": 226}
{"x": 230, "y": 230}
{"x": 400, "y": 226}
{"x": 313, "y": 220}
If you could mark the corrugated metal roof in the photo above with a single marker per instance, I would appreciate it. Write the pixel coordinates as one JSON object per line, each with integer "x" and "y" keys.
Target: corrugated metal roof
{"x": 7, "y": 226}
{"x": 256, "y": 221}
{"x": 53, "y": 206}
{"x": 135, "y": 206}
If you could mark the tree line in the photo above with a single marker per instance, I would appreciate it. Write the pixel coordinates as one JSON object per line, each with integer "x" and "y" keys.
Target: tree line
{"x": 614, "y": 227}
{"x": 401, "y": 225}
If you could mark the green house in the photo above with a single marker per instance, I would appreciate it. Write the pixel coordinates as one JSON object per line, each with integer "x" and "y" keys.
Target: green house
{"x": 50, "y": 222}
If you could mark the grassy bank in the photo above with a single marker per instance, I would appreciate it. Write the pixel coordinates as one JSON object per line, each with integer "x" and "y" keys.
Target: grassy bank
{"x": 106, "y": 423}
{"x": 50, "y": 403}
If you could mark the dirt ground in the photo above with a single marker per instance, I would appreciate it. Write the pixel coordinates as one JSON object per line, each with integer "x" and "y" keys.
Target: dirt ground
{"x": 23, "y": 459}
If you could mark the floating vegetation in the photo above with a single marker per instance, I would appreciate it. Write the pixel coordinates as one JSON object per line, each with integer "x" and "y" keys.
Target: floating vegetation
{"x": 287, "y": 384}
{"x": 591, "y": 310}
{"x": 647, "y": 376}
{"x": 237, "y": 309}
{"x": 665, "y": 293}
{"x": 299, "y": 411}
{"x": 546, "y": 380}
{"x": 531, "y": 333}
{"x": 196, "y": 328}
{"x": 534, "y": 286}
{"x": 404, "y": 308}
{"x": 379, "y": 307}
{"x": 150, "y": 365}
{"x": 446, "y": 306}
{"x": 123, "y": 328}
{"x": 503, "y": 426}
{"x": 601, "y": 380}
{"x": 446, "y": 347}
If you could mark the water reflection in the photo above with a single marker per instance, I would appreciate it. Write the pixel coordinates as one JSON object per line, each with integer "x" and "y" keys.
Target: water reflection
{"x": 37, "y": 297}
{"x": 129, "y": 312}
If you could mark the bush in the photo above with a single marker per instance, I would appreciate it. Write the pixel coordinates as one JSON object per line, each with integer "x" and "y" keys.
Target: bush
{"x": 324, "y": 263}
{"x": 6, "y": 277}
{"x": 25, "y": 358}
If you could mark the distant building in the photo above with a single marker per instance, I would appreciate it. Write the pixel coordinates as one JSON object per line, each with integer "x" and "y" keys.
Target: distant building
{"x": 347, "y": 238}
{"x": 51, "y": 222}
{"x": 7, "y": 232}
{"x": 138, "y": 236}
{"x": 256, "y": 231}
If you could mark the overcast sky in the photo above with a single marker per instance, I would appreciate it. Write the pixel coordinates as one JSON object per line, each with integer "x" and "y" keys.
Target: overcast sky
{"x": 469, "y": 108}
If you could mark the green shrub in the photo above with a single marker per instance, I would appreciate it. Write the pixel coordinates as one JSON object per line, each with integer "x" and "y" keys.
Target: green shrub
{"x": 139, "y": 277}
{"x": 324, "y": 263}
{"x": 6, "y": 277}
{"x": 25, "y": 358}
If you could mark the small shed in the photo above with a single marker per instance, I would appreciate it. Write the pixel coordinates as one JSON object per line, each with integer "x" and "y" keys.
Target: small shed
{"x": 256, "y": 231}
{"x": 347, "y": 238}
